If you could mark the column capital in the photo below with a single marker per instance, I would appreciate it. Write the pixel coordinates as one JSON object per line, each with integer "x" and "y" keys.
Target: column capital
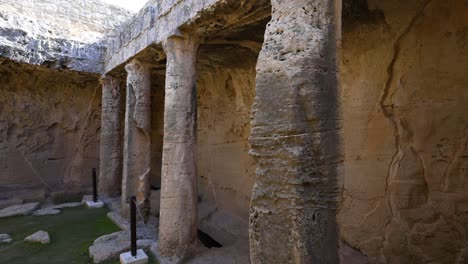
{"x": 181, "y": 42}
{"x": 107, "y": 79}
{"x": 135, "y": 66}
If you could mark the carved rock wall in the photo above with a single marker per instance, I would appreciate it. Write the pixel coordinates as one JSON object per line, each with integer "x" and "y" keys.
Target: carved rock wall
{"x": 405, "y": 102}
{"x": 225, "y": 169}
{"x": 49, "y": 129}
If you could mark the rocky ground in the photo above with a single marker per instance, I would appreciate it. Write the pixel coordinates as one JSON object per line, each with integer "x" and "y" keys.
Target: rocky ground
{"x": 105, "y": 248}
{"x": 70, "y": 233}
{"x": 39, "y": 237}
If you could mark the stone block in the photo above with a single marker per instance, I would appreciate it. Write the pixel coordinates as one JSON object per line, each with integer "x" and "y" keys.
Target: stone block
{"x": 112, "y": 245}
{"x": 67, "y": 205}
{"x": 39, "y": 237}
{"x": 92, "y": 204}
{"x": 140, "y": 258}
{"x": 47, "y": 211}
{"x": 21, "y": 209}
{"x": 5, "y": 239}
{"x": 87, "y": 198}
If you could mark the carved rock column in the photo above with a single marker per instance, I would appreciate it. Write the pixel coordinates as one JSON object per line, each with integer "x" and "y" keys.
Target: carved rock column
{"x": 295, "y": 136}
{"x": 178, "y": 213}
{"x": 137, "y": 143}
{"x": 110, "y": 174}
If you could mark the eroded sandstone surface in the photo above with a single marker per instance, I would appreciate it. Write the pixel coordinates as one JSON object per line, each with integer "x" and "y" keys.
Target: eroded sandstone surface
{"x": 49, "y": 130}
{"x": 405, "y": 130}
{"x": 322, "y": 149}
{"x": 295, "y": 136}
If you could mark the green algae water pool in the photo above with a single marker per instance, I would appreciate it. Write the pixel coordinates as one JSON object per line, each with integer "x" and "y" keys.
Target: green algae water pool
{"x": 71, "y": 233}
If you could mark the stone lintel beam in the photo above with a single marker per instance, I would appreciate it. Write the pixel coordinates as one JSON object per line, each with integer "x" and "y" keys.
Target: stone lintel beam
{"x": 178, "y": 211}
{"x": 110, "y": 173}
{"x": 295, "y": 136}
{"x": 137, "y": 140}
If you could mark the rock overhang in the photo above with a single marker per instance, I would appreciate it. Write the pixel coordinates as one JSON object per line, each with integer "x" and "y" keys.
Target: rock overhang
{"x": 159, "y": 20}
{"x": 26, "y": 39}
{"x": 57, "y": 34}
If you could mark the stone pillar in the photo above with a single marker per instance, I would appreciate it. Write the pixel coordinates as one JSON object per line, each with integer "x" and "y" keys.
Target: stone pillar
{"x": 295, "y": 136}
{"x": 110, "y": 172}
{"x": 137, "y": 143}
{"x": 178, "y": 213}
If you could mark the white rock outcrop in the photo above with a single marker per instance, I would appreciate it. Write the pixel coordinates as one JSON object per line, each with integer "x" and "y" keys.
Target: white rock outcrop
{"x": 5, "y": 239}
{"x": 21, "y": 209}
{"x": 39, "y": 237}
{"x": 68, "y": 205}
{"x": 47, "y": 211}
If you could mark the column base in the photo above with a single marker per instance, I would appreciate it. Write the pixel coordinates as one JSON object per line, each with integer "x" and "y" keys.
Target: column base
{"x": 92, "y": 204}
{"x": 140, "y": 258}
{"x": 164, "y": 260}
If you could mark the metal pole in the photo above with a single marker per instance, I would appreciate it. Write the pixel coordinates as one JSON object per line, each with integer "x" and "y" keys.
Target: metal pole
{"x": 94, "y": 185}
{"x": 133, "y": 226}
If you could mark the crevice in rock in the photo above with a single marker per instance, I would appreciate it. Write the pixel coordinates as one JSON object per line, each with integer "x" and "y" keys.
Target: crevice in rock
{"x": 388, "y": 112}
{"x": 456, "y": 155}
{"x": 207, "y": 240}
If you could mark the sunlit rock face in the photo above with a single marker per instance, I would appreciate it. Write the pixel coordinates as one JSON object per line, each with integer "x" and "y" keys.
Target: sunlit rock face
{"x": 404, "y": 101}
{"x": 85, "y": 21}
{"x": 57, "y": 34}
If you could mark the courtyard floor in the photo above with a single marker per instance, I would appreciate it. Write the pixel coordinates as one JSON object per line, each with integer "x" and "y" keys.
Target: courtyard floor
{"x": 71, "y": 233}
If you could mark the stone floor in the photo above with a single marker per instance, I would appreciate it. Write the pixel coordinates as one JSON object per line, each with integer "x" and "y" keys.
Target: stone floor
{"x": 236, "y": 253}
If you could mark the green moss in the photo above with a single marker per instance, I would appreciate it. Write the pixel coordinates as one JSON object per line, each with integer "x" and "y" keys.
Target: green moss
{"x": 71, "y": 233}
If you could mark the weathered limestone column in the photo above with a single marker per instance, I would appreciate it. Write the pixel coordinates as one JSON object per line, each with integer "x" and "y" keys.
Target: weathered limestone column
{"x": 295, "y": 136}
{"x": 178, "y": 213}
{"x": 137, "y": 143}
{"x": 110, "y": 172}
